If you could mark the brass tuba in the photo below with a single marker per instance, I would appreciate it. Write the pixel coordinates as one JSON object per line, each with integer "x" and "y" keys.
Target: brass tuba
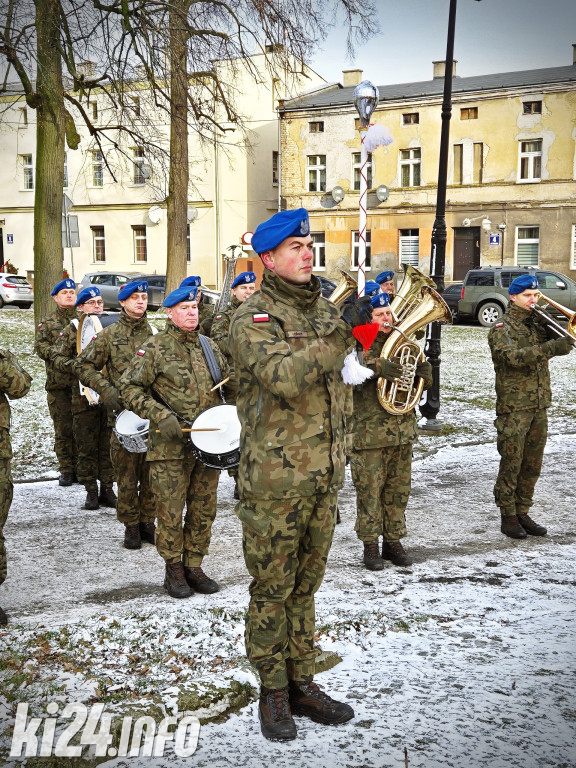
{"x": 402, "y": 395}
{"x": 346, "y": 287}
{"x": 225, "y": 293}
{"x": 410, "y": 292}
{"x": 570, "y": 331}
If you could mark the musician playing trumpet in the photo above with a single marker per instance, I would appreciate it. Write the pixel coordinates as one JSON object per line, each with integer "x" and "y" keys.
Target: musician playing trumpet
{"x": 381, "y": 452}
{"x": 521, "y": 345}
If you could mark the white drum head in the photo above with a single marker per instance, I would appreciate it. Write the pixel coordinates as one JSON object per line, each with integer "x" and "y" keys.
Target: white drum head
{"x": 225, "y": 419}
{"x": 128, "y": 423}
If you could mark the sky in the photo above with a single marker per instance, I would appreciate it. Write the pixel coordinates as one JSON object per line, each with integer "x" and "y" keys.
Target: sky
{"x": 491, "y": 36}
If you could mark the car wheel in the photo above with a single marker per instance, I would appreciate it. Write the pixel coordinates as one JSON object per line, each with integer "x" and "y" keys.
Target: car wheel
{"x": 489, "y": 313}
{"x": 1, "y": 302}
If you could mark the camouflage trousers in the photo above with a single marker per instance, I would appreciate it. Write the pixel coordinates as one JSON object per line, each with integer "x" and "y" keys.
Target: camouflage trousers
{"x": 286, "y": 545}
{"x": 383, "y": 479}
{"x": 60, "y": 407}
{"x": 6, "y": 492}
{"x": 92, "y": 434}
{"x": 176, "y": 484}
{"x": 521, "y": 441}
{"x": 135, "y": 499}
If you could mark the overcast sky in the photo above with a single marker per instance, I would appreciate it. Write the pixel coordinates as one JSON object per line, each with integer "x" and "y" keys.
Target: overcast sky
{"x": 491, "y": 36}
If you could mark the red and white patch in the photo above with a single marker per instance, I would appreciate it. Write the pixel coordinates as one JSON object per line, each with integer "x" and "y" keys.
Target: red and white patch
{"x": 499, "y": 325}
{"x": 262, "y": 318}
{"x": 140, "y": 352}
{"x": 217, "y": 317}
{"x": 40, "y": 325}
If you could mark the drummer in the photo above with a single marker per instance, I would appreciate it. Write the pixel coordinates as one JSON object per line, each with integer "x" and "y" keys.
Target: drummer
{"x": 99, "y": 367}
{"x": 169, "y": 383}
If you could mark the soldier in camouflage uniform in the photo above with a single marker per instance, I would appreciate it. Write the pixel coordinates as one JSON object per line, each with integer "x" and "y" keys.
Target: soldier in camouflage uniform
{"x": 205, "y": 310}
{"x": 14, "y": 383}
{"x": 288, "y": 344}
{"x": 169, "y": 383}
{"x": 521, "y": 347}
{"x": 99, "y": 367}
{"x": 381, "y": 452}
{"x": 59, "y": 384}
{"x": 91, "y": 430}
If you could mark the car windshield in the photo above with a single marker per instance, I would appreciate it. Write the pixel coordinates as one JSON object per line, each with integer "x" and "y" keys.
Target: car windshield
{"x": 18, "y": 279}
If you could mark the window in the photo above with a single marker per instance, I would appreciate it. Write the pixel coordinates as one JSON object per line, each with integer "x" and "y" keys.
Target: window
{"x": 409, "y": 246}
{"x": 548, "y": 281}
{"x": 532, "y": 107}
{"x": 410, "y": 167}
{"x": 316, "y": 173}
{"x": 94, "y": 108}
{"x": 98, "y": 245}
{"x": 28, "y": 171}
{"x": 65, "y": 184}
{"x": 135, "y": 105}
{"x": 356, "y": 166}
{"x": 573, "y": 264}
{"x": 103, "y": 280}
{"x": 531, "y": 160}
{"x": 527, "y": 246}
{"x": 140, "y": 251}
{"x": 97, "y": 168}
{"x": 480, "y": 278}
{"x": 319, "y": 250}
{"x": 141, "y": 170}
{"x": 275, "y": 168}
{"x": 469, "y": 113}
{"x": 24, "y": 115}
{"x": 316, "y": 126}
{"x": 478, "y": 166}
{"x": 410, "y": 118}
{"x": 355, "y": 241}
{"x": 507, "y": 277}
{"x": 458, "y": 166}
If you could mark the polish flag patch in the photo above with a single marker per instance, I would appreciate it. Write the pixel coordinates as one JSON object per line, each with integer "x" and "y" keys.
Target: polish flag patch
{"x": 140, "y": 352}
{"x": 40, "y": 325}
{"x": 499, "y": 325}
{"x": 261, "y": 318}
{"x": 218, "y": 317}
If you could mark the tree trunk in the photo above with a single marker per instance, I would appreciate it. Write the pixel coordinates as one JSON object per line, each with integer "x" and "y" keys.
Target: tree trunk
{"x": 177, "y": 203}
{"x": 49, "y": 181}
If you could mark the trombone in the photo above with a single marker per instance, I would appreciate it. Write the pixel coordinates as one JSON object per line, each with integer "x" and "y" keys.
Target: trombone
{"x": 570, "y": 331}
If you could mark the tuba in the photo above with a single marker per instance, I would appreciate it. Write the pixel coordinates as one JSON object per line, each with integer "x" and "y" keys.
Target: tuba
{"x": 346, "y": 287}
{"x": 410, "y": 292}
{"x": 402, "y": 395}
{"x": 570, "y": 331}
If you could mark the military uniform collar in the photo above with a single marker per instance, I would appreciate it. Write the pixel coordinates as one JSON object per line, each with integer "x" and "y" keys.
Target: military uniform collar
{"x": 133, "y": 322}
{"x": 67, "y": 312}
{"x": 520, "y": 315}
{"x": 302, "y": 296}
{"x": 188, "y": 337}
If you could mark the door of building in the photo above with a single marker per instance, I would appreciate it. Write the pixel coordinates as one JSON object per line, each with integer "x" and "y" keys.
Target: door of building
{"x": 466, "y": 251}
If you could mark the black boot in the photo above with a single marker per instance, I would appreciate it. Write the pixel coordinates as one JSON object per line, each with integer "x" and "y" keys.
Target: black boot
{"x": 3, "y": 618}
{"x": 199, "y": 582}
{"x": 66, "y": 478}
{"x": 372, "y": 559}
{"x": 276, "y": 719}
{"x": 147, "y": 532}
{"x": 530, "y": 526}
{"x": 132, "y": 538}
{"x": 107, "y": 496}
{"x": 395, "y": 552}
{"x": 511, "y": 527}
{"x": 309, "y": 700}
{"x": 175, "y": 582}
{"x": 91, "y": 500}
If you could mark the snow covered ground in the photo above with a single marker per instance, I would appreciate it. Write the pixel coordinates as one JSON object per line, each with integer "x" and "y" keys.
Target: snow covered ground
{"x": 465, "y": 659}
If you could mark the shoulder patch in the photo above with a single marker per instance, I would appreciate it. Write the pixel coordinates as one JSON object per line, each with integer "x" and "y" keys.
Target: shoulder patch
{"x": 499, "y": 325}
{"x": 93, "y": 337}
{"x": 40, "y": 325}
{"x": 217, "y": 317}
{"x": 140, "y": 352}
{"x": 60, "y": 334}
{"x": 262, "y": 317}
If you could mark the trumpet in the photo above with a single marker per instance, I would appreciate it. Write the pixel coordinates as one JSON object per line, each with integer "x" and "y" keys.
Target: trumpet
{"x": 570, "y": 331}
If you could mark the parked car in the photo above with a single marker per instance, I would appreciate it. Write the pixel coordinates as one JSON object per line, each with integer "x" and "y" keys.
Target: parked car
{"x": 109, "y": 284}
{"x": 485, "y": 291}
{"x": 451, "y": 296}
{"x": 15, "y": 289}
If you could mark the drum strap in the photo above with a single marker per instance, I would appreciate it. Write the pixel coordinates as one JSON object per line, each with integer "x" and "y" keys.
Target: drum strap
{"x": 211, "y": 361}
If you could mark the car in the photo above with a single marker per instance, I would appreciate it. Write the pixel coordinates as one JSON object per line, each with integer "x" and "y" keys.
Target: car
{"x": 109, "y": 284}
{"x": 15, "y": 289}
{"x": 451, "y": 296}
{"x": 485, "y": 292}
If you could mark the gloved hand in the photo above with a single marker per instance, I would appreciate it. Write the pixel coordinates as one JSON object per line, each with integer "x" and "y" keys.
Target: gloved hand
{"x": 389, "y": 369}
{"x": 561, "y": 346}
{"x": 424, "y": 370}
{"x": 111, "y": 400}
{"x": 169, "y": 427}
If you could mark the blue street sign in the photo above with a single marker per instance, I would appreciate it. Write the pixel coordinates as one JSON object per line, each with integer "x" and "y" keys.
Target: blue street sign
{"x": 10, "y": 239}
{"x": 494, "y": 238}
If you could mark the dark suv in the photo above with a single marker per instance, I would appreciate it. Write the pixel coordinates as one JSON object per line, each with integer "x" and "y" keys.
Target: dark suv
{"x": 485, "y": 291}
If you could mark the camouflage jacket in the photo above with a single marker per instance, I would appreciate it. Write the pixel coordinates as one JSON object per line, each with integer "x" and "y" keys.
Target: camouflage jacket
{"x": 288, "y": 344}
{"x": 219, "y": 334}
{"x": 520, "y": 361}
{"x": 371, "y": 425}
{"x": 47, "y": 334}
{"x": 14, "y": 383}
{"x": 113, "y": 348}
{"x": 168, "y": 375}
{"x": 205, "y": 318}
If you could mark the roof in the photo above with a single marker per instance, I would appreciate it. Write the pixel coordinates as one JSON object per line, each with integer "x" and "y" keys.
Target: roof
{"x": 337, "y": 95}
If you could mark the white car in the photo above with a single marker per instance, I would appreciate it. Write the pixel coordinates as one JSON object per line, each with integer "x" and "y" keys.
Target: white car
{"x": 15, "y": 289}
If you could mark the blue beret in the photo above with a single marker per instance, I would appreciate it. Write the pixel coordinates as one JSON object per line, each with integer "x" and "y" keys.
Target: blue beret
{"x": 384, "y": 277}
{"x": 68, "y": 283}
{"x": 140, "y": 286}
{"x": 523, "y": 283}
{"x": 284, "y": 224}
{"x": 194, "y": 281}
{"x": 87, "y": 294}
{"x": 186, "y": 293}
{"x": 371, "y": 288}
{"x": 380, "y": 300}
{"x": 244, "y": 278}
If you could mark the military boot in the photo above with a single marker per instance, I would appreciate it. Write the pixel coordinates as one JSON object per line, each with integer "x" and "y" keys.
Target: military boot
{"x": 274, "y": 713}
{"x": 91, "y": 499}
{"x": 175, "y": 582}
{"x": 107, "y": 496}
{"x": 147, "y": 532}
{"x": 66, "y": 478}
{"x": 372, "y": 559}
{"x": 511, "y": 527}
{"x": 395, "y": 552}
{"x": 132, "y": 538}
{"x": 530, "y": 526}
{"x": 3, "y": 618}
{"x": 309, "y": 700}
{"x": 199, "y": 582}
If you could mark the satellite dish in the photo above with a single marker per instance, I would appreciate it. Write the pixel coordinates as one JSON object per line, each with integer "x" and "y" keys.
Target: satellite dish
{"x": 155, "y": 214}
{"x": 338, "y": 194}
{"x": 191, "y": 214}
{"x": 382, "y": 193}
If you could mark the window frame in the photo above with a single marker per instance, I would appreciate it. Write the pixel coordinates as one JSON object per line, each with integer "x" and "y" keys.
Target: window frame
{"x": 532, "y": 158}
{"x": 356, "y": 166}
{"x": 97, "y": 166}
{"x": 410, "y": 118}
{"x": 355, "y": 238}
{"x": 318, "y": 126}
{"x": 27, "y": 161}
{"x": 137, "y": 240}
{"x": 319, "y": 172}
{"x": 98, "y": 240}
{"x": 138, "y": 160}
{"x": 319, "y": 251}
{"x": 405, "y": 240}
{"x": 275, "y": 167}
{"x": 468, "y": 113}
{"x": 526, "y": 241}
{"x": 533, "y": 107}
{"x": 410, "y": 163}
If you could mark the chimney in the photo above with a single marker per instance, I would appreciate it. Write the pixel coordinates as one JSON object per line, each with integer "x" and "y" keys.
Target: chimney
{"x": 351, "y": 77}
{"x": 440, "y": 68}
{"x": 573, "y": 53}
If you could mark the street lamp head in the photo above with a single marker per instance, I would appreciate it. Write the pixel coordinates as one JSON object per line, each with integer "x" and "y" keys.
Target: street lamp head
{"x": 502, "y": 227}
{"x": 365, "y": 100}
{"x": 486, "y": 224}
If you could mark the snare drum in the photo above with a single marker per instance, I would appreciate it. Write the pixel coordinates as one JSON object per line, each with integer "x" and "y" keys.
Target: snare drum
{"x": 132, "y": 432}
{"x": 221, "y": 449}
